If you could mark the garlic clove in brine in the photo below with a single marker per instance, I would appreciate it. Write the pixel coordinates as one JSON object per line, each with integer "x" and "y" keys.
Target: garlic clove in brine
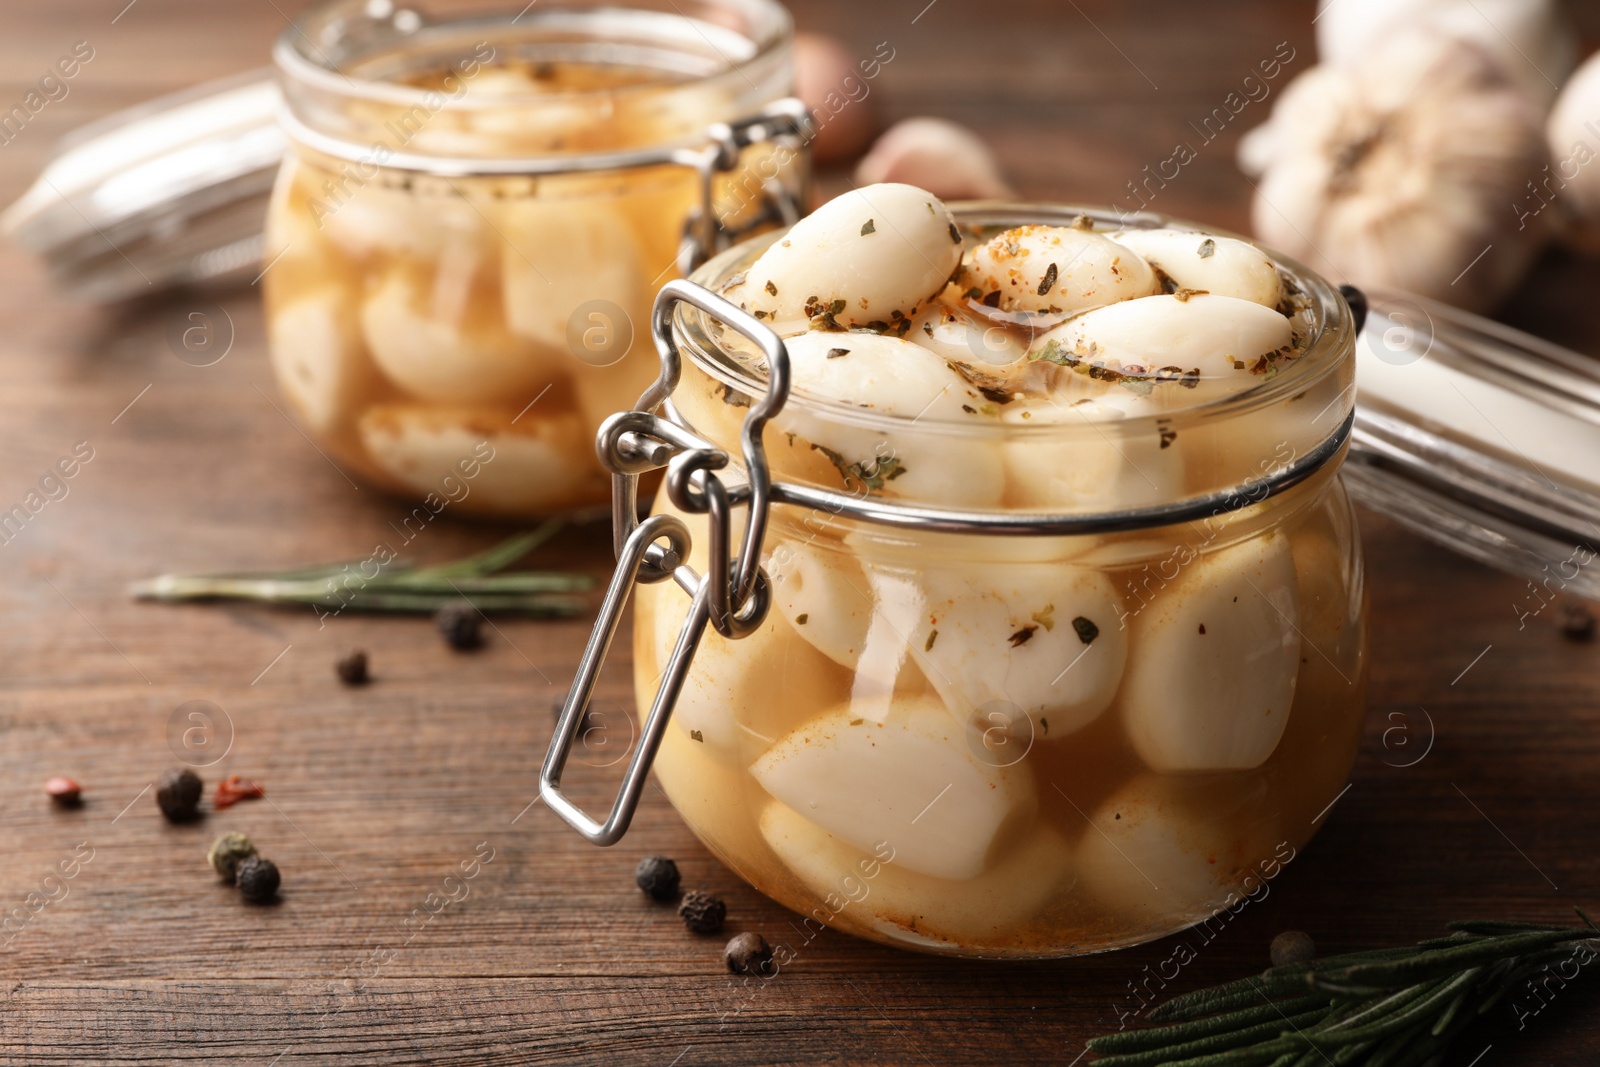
{"x": 1573, "y": 135}
{"x": 1215, "y": 656}
{"x": 1054, "y": 269}
{"x": 913, "y": 458}
{"x": 1405, "y": 172}
{"x": 318, "y": 358}
{"x": 1532, "y": 38}
{"x": 869, "y": 257}
{"x": 1099, "y": 454}
{"x": 1221, "y": 266}
{"x": 901, "y": 774}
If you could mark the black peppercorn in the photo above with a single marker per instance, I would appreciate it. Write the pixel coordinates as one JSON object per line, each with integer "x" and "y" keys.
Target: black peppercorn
{"x": 701, "y": 912}
{"x": 178, "y": 794}
{"x": 352, "y": 669}
{"x": 1577, "y": 623}
{"x": 461, "y": 625}
{"x": 748, "y": 953}
{"x": 657, "y": 876}
{"x": 1293, "y": 946}
{"x": 257, "y": 879}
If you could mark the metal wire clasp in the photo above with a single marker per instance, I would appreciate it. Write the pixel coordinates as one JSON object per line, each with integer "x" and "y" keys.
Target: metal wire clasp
{"x": 734, "y": 594}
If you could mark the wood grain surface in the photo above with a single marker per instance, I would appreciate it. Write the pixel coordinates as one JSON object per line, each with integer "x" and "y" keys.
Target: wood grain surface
{"x": 1475, "y": 793}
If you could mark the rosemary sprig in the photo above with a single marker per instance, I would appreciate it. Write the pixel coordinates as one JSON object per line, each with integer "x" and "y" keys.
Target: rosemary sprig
{"x": 1385, "y": 1008}
{"x": 396, "y": 586}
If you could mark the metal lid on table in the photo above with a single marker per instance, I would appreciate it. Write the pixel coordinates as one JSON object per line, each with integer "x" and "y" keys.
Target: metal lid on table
{"x": 171, "y": 192}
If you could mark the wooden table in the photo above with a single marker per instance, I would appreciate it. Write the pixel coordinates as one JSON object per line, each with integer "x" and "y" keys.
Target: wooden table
{"x": 376, "y": 794}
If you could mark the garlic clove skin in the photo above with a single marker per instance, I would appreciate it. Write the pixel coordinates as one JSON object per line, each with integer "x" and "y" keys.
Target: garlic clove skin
{"x": 869, "y": 255}
{"x": 1398, "y": 174}
{"x": 891, "y": 377}
{"x": 1221, "y": 266}
{"x": 319, "y": 360}
{"x": 441, "y": 336}
{"x": 1573, "y": 136}
{"x": 532, "y": 465}
{"x": 1200, "y": 347}
{"x": 1101, "y": 466}
{"x": 1531, "y": 38}
{"x": 1040, "y": 640}
{"x": 1215, "y": 656}
{"x": 913, "y": 907}
{"x": 905, "y": 777}
{"x": 942, "y": 157}
{"x": 1167, "y": 848}
{"x": 1055, "y": 269}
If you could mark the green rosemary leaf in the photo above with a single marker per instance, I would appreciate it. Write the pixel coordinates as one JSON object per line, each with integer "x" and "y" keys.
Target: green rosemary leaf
{"x": 502, "y": 555}
{"x": 1217, "y": 1042}
{"x": 1157, "y": 1037}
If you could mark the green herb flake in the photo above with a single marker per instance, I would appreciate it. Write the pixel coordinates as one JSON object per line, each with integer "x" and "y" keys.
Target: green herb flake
{"x": 1023, "y": 636}
{"x": 696, "y": 735}
{"x": 1046, "y": 618}
{"x": 731, "y": 397}
{"x": 1087, "y": 631}
{"x": 955, "y": 234}
{"x": 773, "y": 289}
{"x": 1168, "y": 436}
{"x": 1049, "y": 281}
{"x": 1208, "y": 248}
{"x": 933, "y": 635}
{"x": 857, "y": 722}
{"x": 802, "y": 618}
{"x": 835, "y": 353}
{"x": 868, "y": 228}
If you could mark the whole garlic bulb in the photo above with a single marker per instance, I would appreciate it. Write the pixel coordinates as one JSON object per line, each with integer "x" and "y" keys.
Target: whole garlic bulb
{"x": 1574, "y": 139}
{"x": 946, "y": 159}
{"x": 1531, "y": 37}
{"x": 1405, "y": 172}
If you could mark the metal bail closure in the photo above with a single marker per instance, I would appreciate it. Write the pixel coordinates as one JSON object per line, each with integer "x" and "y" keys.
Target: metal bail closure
{"x": 733, "y": 595}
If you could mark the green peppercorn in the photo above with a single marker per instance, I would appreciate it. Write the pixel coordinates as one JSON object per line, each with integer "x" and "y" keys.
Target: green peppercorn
{"x": 178, "y": 794}
{"x": 258, "y": 879}
{"x": 748, "y": 953}
{"x": 657, "y": 876}
{"x": 461, "y": 625}
{"x": 701, "y": 912}
{"x": 227, "y": 852}
{"x": 1293, "y": 946}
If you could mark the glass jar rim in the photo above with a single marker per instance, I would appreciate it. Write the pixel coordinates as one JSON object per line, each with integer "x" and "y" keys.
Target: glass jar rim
{"x": 299, "y": 60}
{"x": 1331, "y": 343}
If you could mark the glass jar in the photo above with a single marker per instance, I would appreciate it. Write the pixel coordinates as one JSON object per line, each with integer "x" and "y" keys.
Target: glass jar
{"x": 1018, "y": 688}
{"x": 474, "y": 213}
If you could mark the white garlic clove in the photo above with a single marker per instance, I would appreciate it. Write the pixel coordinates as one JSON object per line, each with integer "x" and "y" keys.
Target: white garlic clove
{"x": 870, "y": 255}
{"x": 825, "y": 596}
{"x": 715, "y": 799}
{"x": 1001, "y": 642}
{"x": 572, "y": 271}
{"x": 1222, "y": 266}
{"x": 1090, "y": 454}
{"x": 1530, "y": 38}
{"x": 441, "y": 336}
{"x": 1169, "y": 850}
{"x": 1398, "y": 173}
{"x": 914, "y": 907}
{"x": 886, "y": 376}
{"x": 319, "y": 360}
{"x": 1055, "y": 269}
{"x": 1573, "y": 135}
{"x": 527, "y": 465}
{"x": 1215, "y": 655}
{"x": 907, "y": 778}
{"x": 949, "y": 330}
{"x": 1197, "y": 347}
{"x": 426, "y": 222}
{"x": 940, "y": 156}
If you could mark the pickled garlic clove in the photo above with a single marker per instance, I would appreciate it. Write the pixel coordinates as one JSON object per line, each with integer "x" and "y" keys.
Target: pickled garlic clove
{"x": 319, "y": 360}
{"x": 1001, "y": 641}
{"x": 869, "y": 256}
{"x": 902, "y": 775}
{"x": 1179, "y": 350}
{"x": 887, "y": 376}
{"x": 1054, "y": 269}
{"x": 440, "y": 336}
{"x": 426, "y": 221}
{"x": 530, "y": 465}
{"x": 1222, "y": 266}
{"x": 1169, "y": 850}
{"x": 717, "y": 800}
{"x": 1215, "y": 655}
{"x": 947, "y": 329}
{"x": 1088, "y": 455}
{"x": 915, "y": 907}
{"x": 561, "y": 255}
{"x": 824, "y": 595}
